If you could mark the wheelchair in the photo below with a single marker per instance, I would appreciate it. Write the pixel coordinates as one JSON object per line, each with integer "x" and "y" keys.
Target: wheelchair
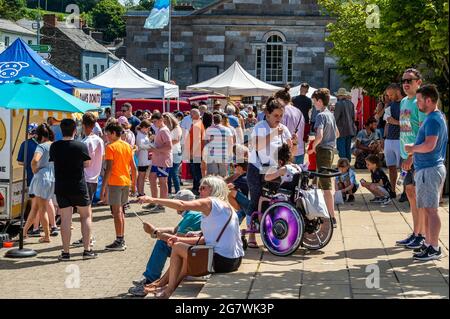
{"x": 283, "y": 222}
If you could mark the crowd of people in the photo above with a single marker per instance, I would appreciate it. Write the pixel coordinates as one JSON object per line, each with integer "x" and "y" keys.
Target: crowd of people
{"x": 231, "y": 151}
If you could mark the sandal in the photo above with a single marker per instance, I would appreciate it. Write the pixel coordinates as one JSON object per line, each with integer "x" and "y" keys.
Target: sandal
{"x": 152, "y": 289}
{"x": 44, "y": 240}
{"x": 252, "y": 244}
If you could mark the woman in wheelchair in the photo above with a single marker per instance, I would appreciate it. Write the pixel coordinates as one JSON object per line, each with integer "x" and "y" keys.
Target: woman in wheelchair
{"x": 278, "y": 179}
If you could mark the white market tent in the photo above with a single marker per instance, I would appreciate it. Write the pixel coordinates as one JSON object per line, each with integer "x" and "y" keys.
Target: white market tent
{"x": 236, "y": 81}
{"x": 130, "y": 83}
{"x": 295, "y": 91}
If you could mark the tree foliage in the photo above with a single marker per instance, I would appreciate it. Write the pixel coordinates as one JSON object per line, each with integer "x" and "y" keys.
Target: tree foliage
{"x": 60, "y": 5}
{"x": 12, "y": 9}
{"x": 108, "y": 17}
{"x": 409, "y": 34}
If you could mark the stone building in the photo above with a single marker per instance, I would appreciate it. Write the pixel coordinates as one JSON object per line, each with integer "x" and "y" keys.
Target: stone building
{"x": 74, "y": 51}
{"x": 279, "y": 41}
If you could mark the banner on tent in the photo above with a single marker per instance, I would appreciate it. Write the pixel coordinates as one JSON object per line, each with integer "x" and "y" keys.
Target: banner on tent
{"x": 93, "y": 97}
{"x": 5, "y": 146}
{"x": 45, "y": 114}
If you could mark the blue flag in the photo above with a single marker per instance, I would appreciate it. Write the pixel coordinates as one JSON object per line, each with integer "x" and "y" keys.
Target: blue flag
{"x": 159, "y": 16}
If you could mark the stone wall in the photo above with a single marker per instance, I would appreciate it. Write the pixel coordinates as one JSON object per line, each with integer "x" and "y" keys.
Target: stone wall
{"x": 65, "y": 54}
{"x": 207, "y": 40}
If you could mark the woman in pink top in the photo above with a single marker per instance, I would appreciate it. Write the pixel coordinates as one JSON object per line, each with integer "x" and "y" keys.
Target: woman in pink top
{"x": 162, "y": 159}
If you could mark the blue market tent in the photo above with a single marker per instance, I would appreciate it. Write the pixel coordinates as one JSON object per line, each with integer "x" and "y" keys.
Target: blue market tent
{"x": 20, "y": 60}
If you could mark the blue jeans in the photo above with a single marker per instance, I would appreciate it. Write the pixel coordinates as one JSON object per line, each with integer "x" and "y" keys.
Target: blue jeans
{"x": 174, "y": 178}
{"x": 196, "y": 172}
{"x": 299, "y": 159}
{"x": 344, "y": 145}
{"x": 243, "y": 201}
{"x": 157, "y": 260}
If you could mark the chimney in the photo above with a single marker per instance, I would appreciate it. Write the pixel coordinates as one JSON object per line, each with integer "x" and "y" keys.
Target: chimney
{"x": 50, "y": 20}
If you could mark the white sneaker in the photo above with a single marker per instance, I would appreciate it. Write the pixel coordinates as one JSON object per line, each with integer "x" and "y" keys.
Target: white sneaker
{"x": 192, "y": 278}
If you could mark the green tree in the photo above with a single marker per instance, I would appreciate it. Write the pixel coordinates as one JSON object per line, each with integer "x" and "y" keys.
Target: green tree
{"x": 146, "y": 4}
{"x": 107, "y": 16}
{"x": 409, "y": 34}
{"x": 12, "y": 9}
{"x": 86, "y": 5}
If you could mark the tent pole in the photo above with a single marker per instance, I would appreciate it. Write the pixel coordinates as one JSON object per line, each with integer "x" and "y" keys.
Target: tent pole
{"x": 23, "y": 252}
{"x": 169, "y": 71}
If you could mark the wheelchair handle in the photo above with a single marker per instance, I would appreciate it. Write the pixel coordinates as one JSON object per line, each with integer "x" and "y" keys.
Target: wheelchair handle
{"x": 332, "y": 173}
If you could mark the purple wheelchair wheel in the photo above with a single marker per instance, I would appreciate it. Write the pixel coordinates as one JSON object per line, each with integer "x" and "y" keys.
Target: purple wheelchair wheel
{"x": 282, "y": 229}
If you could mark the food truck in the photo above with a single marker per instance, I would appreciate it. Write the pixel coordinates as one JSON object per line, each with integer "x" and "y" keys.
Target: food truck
{"x": 16, "y": 61}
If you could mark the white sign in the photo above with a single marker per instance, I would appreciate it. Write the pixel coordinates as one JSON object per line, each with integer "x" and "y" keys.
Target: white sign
{"x": 16, "y": 196}
{"x": 93, "y": 97}
{"x": 5, "y": 143}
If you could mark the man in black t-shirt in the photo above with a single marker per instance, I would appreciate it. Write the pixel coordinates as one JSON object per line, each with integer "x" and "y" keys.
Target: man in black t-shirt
{"x": 70, "y": 158}
{"x": 304, "y": 104}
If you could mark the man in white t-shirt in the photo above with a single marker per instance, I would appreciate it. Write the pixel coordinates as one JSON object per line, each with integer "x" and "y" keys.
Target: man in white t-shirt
{"x": 96, "y": 150}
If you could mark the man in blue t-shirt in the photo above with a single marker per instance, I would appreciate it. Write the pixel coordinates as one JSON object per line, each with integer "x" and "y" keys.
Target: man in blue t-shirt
{"x": 32, "y": 144}
{"x": 190, "y": 222}
{"x": 230, "y": 110}
{"x": 429, "y": 156}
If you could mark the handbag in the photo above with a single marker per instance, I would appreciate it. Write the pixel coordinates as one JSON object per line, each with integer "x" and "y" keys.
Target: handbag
{"x": 314, "y": 203}
{"x": 200, "y": 257}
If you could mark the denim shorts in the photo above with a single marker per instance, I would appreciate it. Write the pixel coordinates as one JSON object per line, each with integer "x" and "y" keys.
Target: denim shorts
{"x": 160, "y": 171}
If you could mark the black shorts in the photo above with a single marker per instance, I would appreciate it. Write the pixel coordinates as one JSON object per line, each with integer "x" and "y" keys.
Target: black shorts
{"x": 143, "y": 168}
{"x": 223, "y": 264}
{"x": 73, "y": 200}
{"x": 409, "y": 178}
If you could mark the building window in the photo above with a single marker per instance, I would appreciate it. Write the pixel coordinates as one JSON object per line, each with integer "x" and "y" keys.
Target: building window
{"x": 102, "y": 68}
{"x": 95, "y": 70}
{"x": 274, "y": 59}
{"x": 7, "y": 40}
{"x": 86, "y": 72}
{"x": 258, "y": 63}
{"x": 290, "y": 77}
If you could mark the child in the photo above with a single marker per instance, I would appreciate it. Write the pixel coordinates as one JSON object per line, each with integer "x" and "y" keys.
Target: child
{"x": 346, "y": 183}
{"x": 251, "y": 121}
{"x": 237, "y": 184}
{"x": 380, "y": 186}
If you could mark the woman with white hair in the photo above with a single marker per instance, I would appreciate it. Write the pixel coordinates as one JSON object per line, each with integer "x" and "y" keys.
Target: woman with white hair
{"x": 217, "y": 213}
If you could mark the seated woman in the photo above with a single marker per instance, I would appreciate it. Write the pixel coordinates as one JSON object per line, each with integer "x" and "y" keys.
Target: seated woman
{"x": 216, "y": 210}
{"x": 190, "y": 221}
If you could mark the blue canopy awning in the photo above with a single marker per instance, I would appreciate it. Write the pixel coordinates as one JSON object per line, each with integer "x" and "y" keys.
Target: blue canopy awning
{"x": 20, "y": 60}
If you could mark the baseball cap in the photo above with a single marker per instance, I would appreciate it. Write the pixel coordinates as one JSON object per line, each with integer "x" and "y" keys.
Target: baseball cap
{"x": 122, "y": 120}
{"x": 185, "y": 195}
{"x": 32, "y": 128}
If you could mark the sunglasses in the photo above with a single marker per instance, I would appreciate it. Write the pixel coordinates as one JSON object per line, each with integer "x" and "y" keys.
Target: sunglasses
{"x": 409, "y": 81}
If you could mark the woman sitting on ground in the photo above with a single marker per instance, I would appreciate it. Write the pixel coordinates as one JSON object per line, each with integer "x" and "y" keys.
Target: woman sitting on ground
{"x": 215, "y": 209}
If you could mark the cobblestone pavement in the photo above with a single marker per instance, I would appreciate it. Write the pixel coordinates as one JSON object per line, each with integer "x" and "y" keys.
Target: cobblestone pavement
{"x": 365, "y": 237}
